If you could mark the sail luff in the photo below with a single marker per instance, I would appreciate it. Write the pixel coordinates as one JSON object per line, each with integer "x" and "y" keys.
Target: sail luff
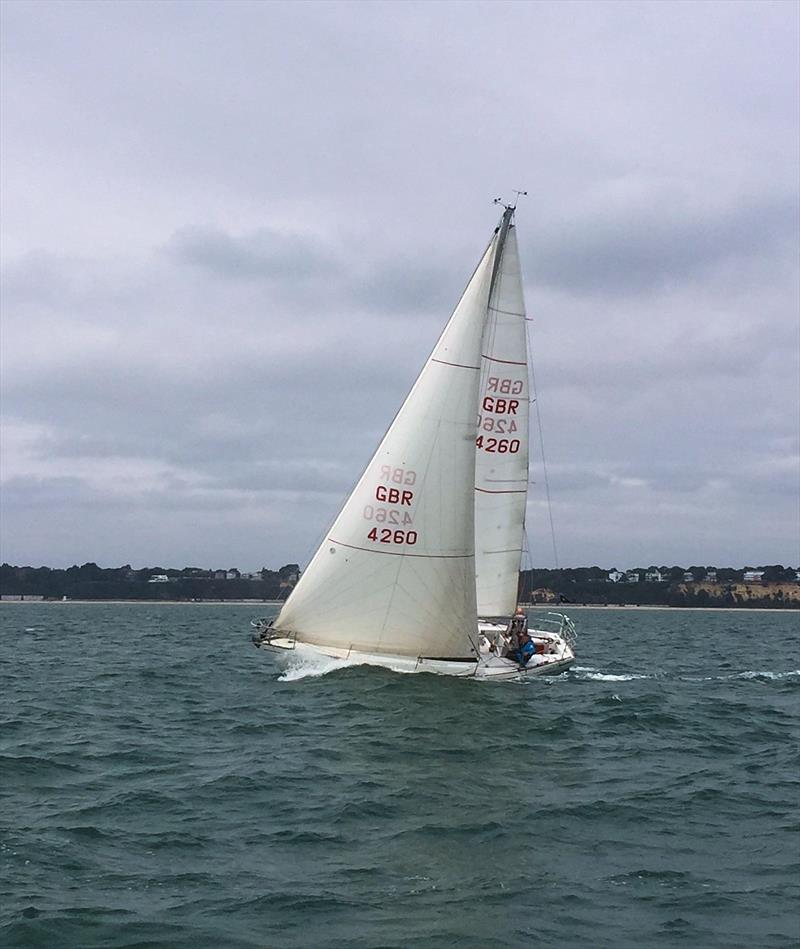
{"x": 501, "y": 477}
{"x": 396, "y": 572}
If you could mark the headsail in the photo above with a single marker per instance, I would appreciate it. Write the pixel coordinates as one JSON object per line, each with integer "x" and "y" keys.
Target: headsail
{"x": 396, "y": 573}
{"x": 501, "y": 471}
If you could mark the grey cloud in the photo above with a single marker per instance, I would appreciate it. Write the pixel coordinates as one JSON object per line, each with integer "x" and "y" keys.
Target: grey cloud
{"x": 366, "y": 281}
{"x": 225, "y": 263}
{"x": 258, "y": 255}
{"x": 743, "y": 474}
{"x": 635, "y": 250}
{"x": 47, "y": 493}
{"x": 410, "y": 285}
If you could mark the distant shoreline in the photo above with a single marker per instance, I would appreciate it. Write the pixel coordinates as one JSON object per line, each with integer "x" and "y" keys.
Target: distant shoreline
{"x": 149, "y": 602}
{"x": 539, "y": 607}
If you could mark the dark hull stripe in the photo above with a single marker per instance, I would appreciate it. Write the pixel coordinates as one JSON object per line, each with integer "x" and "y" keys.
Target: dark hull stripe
{"x": 445, "y": 659}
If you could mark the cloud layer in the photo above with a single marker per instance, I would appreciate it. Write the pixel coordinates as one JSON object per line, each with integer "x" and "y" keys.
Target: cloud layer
{"x": 232, "y": 234}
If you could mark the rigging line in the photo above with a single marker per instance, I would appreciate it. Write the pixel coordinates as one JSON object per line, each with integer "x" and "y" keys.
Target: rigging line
{"x": 541, "y": 448}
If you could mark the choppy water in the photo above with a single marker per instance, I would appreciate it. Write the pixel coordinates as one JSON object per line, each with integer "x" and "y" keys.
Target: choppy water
{"x": 164, "y": 785}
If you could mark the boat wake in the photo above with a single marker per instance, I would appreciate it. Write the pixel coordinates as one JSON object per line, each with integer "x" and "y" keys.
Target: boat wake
{"x": 748, "y": 674}
{"x": 306, "y": 663}
{"x": 312, "y": 667}
{"x": 595, "y": 675}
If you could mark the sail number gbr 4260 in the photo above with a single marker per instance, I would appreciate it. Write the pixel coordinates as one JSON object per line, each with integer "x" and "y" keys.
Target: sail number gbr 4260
{"x": 395, "y": 497}
{"x": 498, "y": 416}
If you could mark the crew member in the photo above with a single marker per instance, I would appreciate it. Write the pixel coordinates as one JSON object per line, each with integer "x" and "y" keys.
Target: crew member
{"x": 518, "y": 624}
{"x": 525, "y": 649}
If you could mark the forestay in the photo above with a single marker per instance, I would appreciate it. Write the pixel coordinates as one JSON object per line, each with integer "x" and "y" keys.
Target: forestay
{"x": 501, "y": 475}
{"x": 396, "y": 573}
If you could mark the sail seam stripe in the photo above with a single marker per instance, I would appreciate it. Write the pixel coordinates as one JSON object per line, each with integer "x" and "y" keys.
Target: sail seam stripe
{"x": 497, "y": 309}
{"x": 508, "y": 362}
{"x": 506, "y": 491}
{"x": 394, "y": 553}
{"x": 459, "y": 365}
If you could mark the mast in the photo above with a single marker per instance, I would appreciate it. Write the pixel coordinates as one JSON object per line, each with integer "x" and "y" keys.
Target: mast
{"x": 505, "y": 223}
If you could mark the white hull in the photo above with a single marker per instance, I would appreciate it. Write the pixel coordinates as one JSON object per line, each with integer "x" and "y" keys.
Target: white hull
{"x": 488, "y": 666}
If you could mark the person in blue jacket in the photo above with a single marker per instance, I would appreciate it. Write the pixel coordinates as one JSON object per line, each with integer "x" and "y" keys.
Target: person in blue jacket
{"x": 525, "y": 648}
{"x": 520, "y": 646}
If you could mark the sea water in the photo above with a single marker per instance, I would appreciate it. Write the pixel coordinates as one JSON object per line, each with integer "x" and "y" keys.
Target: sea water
{"x": 164, "y": 784}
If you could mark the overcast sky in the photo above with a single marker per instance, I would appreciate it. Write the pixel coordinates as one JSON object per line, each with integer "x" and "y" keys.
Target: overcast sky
{"x": 233, "y": 231}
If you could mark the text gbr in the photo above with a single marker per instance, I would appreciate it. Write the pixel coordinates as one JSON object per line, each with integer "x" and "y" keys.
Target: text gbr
{"x": 498, "y": 415}
{"x": 398, "y": 516}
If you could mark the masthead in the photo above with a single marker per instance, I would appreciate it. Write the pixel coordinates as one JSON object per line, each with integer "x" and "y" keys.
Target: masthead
{"x": 511, "y": 207}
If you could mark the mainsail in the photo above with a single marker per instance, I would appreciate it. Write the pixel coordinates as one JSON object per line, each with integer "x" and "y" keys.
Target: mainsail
{"x": 396, "y": 572}
{"x": 501, "y": 469}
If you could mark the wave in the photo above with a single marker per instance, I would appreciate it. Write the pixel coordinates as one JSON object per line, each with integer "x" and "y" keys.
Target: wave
{"x": 314, "y": 665}
{"x": 746, "y": 675}
{"x": 591, "y": 674}
{"x": 596, "y": 675}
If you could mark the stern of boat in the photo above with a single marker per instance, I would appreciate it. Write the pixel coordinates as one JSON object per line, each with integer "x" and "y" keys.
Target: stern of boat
{"x": 554, "y": 634}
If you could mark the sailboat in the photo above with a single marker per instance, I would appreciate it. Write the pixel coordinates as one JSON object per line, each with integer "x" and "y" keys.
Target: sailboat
{"x": 420, "y": 570}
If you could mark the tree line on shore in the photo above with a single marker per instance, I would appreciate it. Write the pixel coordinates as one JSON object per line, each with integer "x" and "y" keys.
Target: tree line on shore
{"x": 776, "y": 587}
{"x": 90, "y": 582}
{"x": 709, "y": 586}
